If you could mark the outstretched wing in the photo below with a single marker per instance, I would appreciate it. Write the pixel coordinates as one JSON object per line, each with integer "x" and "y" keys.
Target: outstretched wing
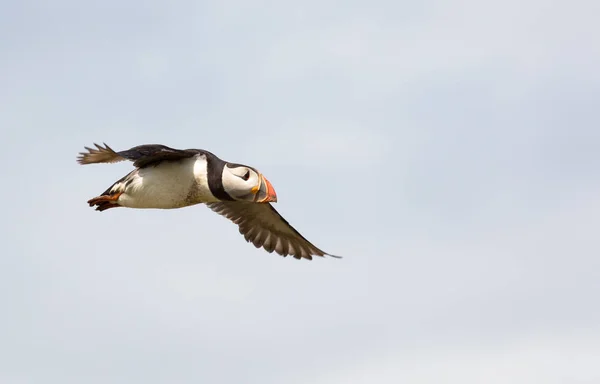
{"x": 262, "y": 225}
{"x": 142, "y": 155}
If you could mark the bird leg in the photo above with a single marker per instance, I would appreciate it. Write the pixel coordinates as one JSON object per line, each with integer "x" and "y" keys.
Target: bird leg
{"x": 105, "y": 202}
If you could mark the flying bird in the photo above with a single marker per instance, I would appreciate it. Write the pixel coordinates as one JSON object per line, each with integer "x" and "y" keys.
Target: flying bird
{"x": 168, "y": 178}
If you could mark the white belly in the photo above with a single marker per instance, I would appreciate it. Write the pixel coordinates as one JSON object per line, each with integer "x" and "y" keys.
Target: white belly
{"x": 167, "y": 185}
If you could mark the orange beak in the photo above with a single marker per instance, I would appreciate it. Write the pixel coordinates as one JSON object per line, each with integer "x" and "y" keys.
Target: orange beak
{"x": 271, "y": 195}
{"x": 266, "y": 192}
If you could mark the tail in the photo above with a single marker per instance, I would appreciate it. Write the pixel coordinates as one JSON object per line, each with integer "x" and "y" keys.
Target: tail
{"x": 100, "y": 155}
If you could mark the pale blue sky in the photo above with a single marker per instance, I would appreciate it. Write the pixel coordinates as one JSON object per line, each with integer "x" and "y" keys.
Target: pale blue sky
{"x": 447, "y": 149}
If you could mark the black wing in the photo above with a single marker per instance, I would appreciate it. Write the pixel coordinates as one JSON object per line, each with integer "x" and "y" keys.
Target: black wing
{"x": 142, "y": 155}
{"x": 262, "y": 225}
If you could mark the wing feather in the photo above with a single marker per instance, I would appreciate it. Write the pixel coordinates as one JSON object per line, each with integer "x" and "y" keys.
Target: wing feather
{"x": 142, "y": 155}
{"x": 263, "y": 226}
{"x": 99, "y": 154}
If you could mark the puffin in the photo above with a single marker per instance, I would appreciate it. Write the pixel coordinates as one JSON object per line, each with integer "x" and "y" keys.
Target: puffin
{"x": 168, "y": 178}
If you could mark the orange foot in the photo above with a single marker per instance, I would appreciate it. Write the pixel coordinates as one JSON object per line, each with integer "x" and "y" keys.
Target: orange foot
{"x": 105, "y": 202}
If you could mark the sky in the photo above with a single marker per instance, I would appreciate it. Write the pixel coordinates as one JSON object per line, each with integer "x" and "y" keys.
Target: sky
{"x": 448, "y": 150}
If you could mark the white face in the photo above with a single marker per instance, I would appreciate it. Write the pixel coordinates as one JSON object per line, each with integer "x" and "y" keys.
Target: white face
{"x": 241, "y": 182}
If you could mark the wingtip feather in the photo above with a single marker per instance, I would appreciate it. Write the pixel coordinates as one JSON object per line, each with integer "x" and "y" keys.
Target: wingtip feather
{"x": 99, "y": 155}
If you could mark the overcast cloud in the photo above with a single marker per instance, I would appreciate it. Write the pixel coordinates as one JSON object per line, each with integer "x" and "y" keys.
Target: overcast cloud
{"x": 448, "y": 150}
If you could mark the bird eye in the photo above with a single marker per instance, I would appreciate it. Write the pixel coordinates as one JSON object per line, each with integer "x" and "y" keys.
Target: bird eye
{"x": 246, "y": 176}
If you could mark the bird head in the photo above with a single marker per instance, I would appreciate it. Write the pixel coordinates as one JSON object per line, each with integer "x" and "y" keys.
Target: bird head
{"x": 244, "y": 183}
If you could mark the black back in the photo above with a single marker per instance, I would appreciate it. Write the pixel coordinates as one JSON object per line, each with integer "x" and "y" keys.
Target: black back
{"x": 151, "y": 154}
